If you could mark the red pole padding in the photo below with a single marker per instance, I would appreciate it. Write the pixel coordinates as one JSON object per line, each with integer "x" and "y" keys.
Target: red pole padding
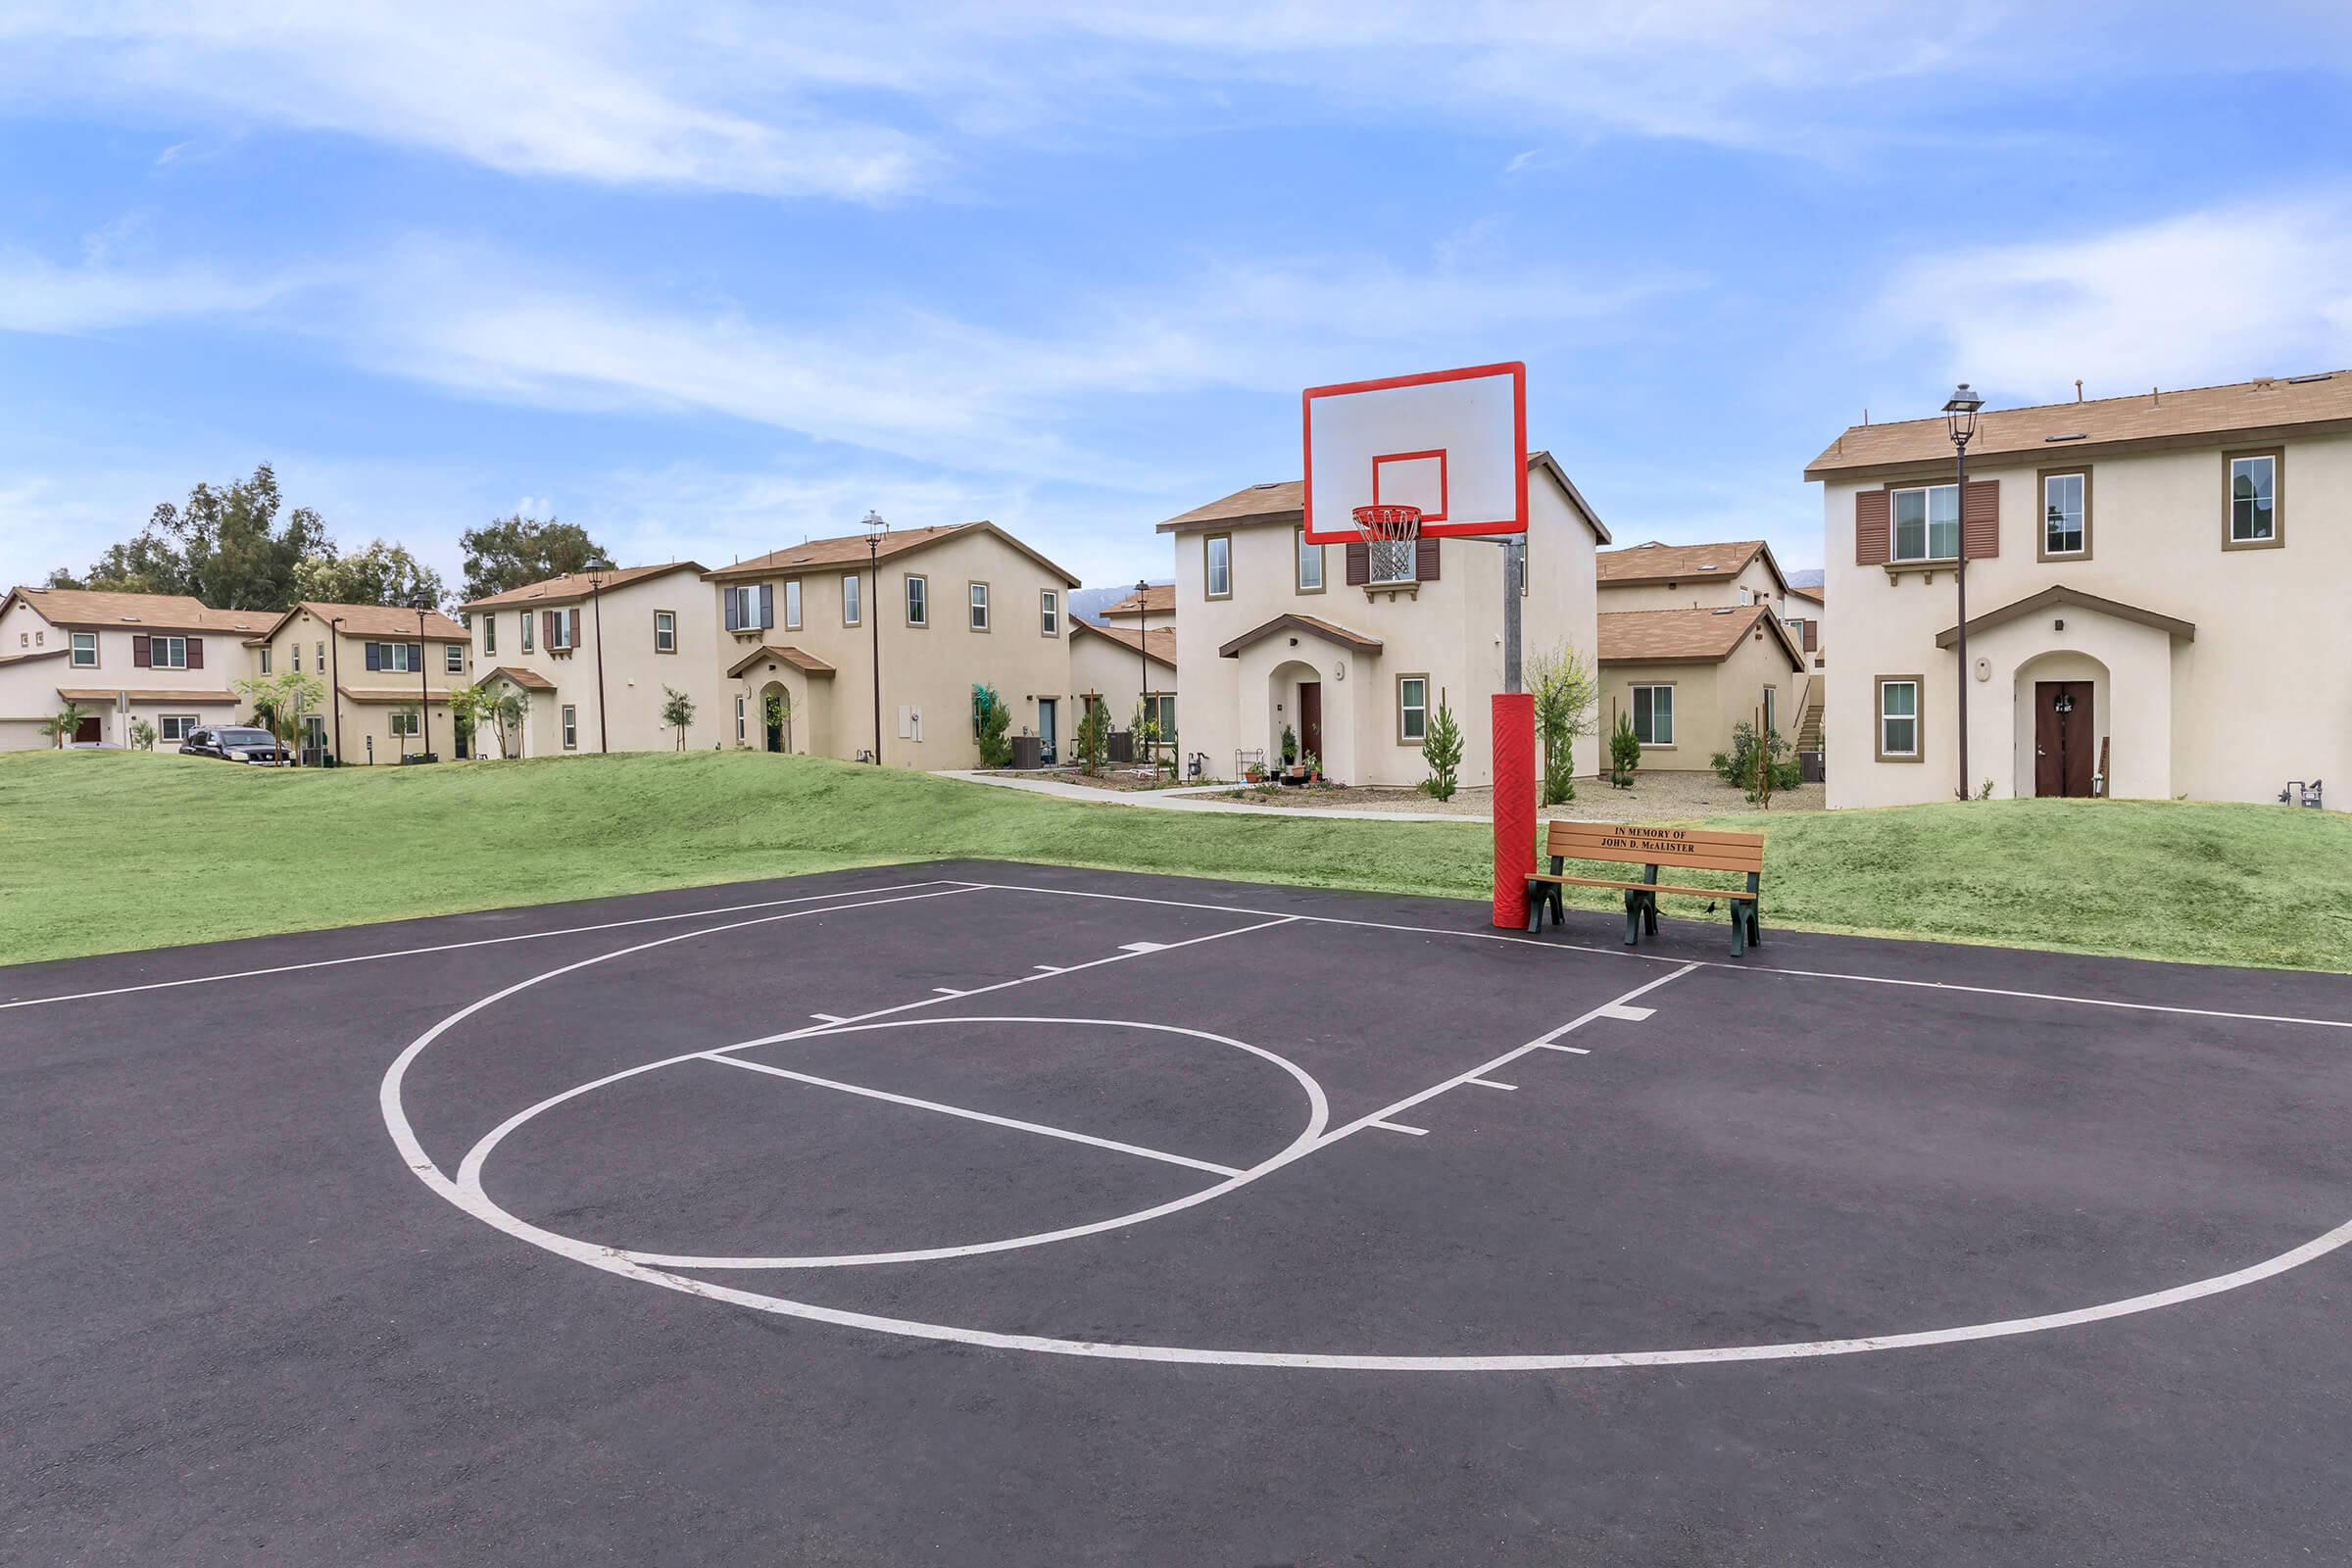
{"x": 1514, "y": 805}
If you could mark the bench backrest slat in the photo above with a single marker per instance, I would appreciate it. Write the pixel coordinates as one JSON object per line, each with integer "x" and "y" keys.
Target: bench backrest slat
{"x": 1632, "y": 843}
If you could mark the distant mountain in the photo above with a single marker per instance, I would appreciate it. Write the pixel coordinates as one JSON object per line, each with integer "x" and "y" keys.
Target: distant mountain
{"x": 1087, "y": 604}
{"x": 1810, "y": 577}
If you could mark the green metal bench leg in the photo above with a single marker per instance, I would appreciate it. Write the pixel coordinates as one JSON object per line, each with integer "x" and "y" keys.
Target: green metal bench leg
{"x": 1755, "y": 910}
{"x": 1535, "y": 900}
{"x": 1633, "y": 915}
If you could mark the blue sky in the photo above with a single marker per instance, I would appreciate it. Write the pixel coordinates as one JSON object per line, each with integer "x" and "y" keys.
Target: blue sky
{"x": 713, "y": 279}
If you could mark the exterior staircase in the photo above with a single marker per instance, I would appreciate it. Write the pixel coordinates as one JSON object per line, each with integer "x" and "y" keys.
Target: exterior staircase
{"x": 1808, "y": 723}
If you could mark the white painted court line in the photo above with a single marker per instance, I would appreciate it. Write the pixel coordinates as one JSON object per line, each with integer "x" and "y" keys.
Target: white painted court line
{"x": 947, "y": 991}
{"x": 1572, "y": 1049}
{"x": 1141, "y": 947}
{"x": 489, "y": 942}
{"x": 1015, "y": 1123}
{"x": 826, "y": 1017}
{"x": 1554, "y": 944}
{"x": 1488, "y": 1083}
{"x": 1630, "y": 1014}
{"x": 1047, "y": 968}
{"x": 1399, "y": 1127}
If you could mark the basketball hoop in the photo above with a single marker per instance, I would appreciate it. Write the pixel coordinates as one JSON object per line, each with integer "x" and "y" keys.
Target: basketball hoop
{"x": 1388, "y": 524}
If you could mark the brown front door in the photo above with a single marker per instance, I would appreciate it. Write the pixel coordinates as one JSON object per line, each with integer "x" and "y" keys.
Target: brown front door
{"x": 87, "y": 733}
{"x": 2064, "y": 737}
{"x": 1310, "y": 718}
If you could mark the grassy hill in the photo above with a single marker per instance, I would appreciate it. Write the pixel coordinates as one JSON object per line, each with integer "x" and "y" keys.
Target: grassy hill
{"x": 107, "y": 850}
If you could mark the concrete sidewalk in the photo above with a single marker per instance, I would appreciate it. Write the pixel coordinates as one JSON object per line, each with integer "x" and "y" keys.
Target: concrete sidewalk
{"x": 1207, "y": 798}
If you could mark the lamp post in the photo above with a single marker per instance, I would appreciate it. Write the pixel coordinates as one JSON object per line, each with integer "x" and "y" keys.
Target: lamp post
{"x": 425, "y": 696}
{"x": 596, "y": 605}
{"x": 1960, "y": 418}
{"x": 875, "y": 531}
{"x": 1144, "y": 658}
{"x": 334, "y": 682}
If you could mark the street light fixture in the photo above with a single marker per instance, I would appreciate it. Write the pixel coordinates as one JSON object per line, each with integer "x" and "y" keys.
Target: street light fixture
{"x": 877, "y": 530}
{"x": 1960, "y": 419}
{"x": 596, "y": 603}
{"x": 334, "y": 682}
{"x": 424, "y": 696}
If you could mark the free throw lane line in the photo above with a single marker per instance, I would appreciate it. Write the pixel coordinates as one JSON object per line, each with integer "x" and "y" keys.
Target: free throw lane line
{"x": 1039, "y": 1128}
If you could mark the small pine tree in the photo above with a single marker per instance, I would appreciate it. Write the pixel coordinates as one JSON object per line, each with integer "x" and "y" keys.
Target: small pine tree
{"x": 1094, "y": 739}
{"x": 677, "y": 712}
{"x": 1441, "y": 750}
{"x": 1625, "y": 753}
{"x": 993, "y": 719}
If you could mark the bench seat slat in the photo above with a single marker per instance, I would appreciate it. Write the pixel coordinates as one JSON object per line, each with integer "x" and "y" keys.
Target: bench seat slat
{"x": 1645, "y": 886}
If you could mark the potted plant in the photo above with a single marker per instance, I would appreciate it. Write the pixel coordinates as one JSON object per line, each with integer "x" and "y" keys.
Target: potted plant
{"x": 1314, "y": 767}
{"x": 1290, "y": 747}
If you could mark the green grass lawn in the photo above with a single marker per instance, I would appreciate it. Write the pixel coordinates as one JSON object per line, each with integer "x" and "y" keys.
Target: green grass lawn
{"x": 102, "y": 852}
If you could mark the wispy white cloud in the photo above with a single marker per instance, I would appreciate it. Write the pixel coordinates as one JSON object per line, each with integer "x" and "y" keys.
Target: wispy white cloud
{"x": 2208, "y": 296}
{"x": 39, "y": 296}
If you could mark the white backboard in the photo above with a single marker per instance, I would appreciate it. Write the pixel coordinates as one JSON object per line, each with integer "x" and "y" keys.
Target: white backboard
{"x": 1451, "y": 442}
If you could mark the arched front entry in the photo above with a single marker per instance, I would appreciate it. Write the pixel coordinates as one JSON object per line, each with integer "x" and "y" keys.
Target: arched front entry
{"x": 775, "y": 717}
{"x": 2061, "y": 704}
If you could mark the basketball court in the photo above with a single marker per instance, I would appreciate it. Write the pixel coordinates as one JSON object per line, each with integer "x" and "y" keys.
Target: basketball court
{"x": 1013, "y": 1214}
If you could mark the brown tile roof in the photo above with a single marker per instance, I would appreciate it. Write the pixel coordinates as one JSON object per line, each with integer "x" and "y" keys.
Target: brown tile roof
{"x": 1157, "y": 599}
{"x": 806, "y": 663}
{"x": 75, "y": 607}
{"x": 575, "y": 585}
{"x": 1158, "y": 642}
{"x": 2248, "y": 410}
{"x": 391, "y": 694}
{"x": 1285, "y": 500}
{"x": 201, "y": 698}
{"x": 849, "y": 550}
{"x": 1309, "y": 623}
{"x": 1683, "y": 636}
{"x": 374, "y": 621}
{"x": 530, "y": 680}
{"x": 7, "y": 660}
{"x": 1813, "y": 591}
{"x": 1658, "y": 562}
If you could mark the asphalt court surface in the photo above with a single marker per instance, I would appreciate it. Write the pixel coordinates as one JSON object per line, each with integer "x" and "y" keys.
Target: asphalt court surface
{"x": 1001, "y": 1213}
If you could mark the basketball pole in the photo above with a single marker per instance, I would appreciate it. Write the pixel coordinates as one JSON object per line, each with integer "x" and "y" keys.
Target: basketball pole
{"x": 1513, "y": 717}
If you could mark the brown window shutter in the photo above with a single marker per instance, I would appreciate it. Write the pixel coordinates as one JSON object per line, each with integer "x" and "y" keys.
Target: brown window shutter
{"x": 140, "y": 656}
{"x": 1425, "y": 561}
{"x": 547, "y": 628}
{"x": 1812, "y": 635}
{"x": 1360, "y": 564}
{"x": 1873, "y": 546}
{"x": 195, "y": 652}
{"x": 1981, "y": 519}
{"x": 573, "y": 632}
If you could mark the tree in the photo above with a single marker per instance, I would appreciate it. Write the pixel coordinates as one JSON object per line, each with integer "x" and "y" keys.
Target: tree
{"x": 60, "y": 726}
{"x": 504, "y": 709}
{"x": 1094, "y": 739}
{"x": 1566, "y": 697}
{"x": 226, "y": 547}
{"x": 1625, "y": 753}
{"x": 994, "y": 718}
{"x": 279, "y": 701}
{"x": 677, "y": 712}
{"x": 515, "y": 551}
{"x": 1441, "y": 750}
{"x": 383, "y": 574}
{"x": 142, "y": 735}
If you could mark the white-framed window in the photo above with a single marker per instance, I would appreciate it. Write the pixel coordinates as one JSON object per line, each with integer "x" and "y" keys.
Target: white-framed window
{"x": 1310, "y": 565}
{"x": 2062, "y": 513}
{"x": 1653, "y": 715}
{"x": 792, "y": 604}
{"x": 561, "y": 629}
{"x": 319, "y": 648}
{"x": 750, "y": 607}
{"x": 918, "y": 601}
{"x": 167, "y": 653}
{"x": 265, "y": 660}
{"x": 1393, "y": 560}
{"x": 1413, "y": 709}
{"x": 452, "y": 658}
{"x": 1217, "y": 566}
{"x": 1160, "y": 709}
{"x": 666, "y": 631}
{"x": 527, "y": 618}
{"x": 572, "y": 728}
{"x": 173, "y": 726}
{"x": 979, "y": 597}
{"x": 86, "y": 651}
{"x": 853, "y": 608}
{"x": 743, "y": 729}
{"x": 398, "y": 658}
{"x": 296, "y": 649}
{"x": 404, "y": 726}
{"x": 1899, "y": 718}
{"x": 1049, "y": 613}
{"x": 2254, "y": 499}
{"x": 490, "y": 632}
{"x": 1927, "y": 523}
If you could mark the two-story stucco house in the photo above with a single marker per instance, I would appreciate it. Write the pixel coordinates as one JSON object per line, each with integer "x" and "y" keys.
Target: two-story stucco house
{"x": 387, "y": 677}
{"x": 1354, "y": 655}
{"x": 1122, "y": 668}
{"x": 1693, "y": 643}
{"x": 2154, "y": 598}
{"x": 950, "y": 608}
{"x": 122, "y": 658}
{"x": 593, "y": 654}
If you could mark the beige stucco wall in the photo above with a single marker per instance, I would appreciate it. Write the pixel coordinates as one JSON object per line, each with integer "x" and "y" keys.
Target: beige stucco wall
{"x": 1449, "y": 631}
{"x": 931, "y": 668}
{"x": 1704, "y": 590}
{"x": 1708, "y": 699}
{"x": 2262, "y": 695}
{"x": 29, "y": 687}
{"x": 636, "y": 670}
{"x": 346, "y": 668}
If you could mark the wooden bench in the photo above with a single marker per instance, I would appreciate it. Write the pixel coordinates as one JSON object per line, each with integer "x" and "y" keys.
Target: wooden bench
{"x": 1625, "y": 844}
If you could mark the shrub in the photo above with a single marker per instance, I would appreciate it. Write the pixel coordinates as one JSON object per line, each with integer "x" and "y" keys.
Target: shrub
{"x": 1290, "y": 746}
{"x": 1566, "y": 696}
{"x": 142, "y": 735}
{"x": 1736, "y": 767}
{"x": 1441, "y": 750}
{"x": 1625, "y": 753}
{"x": 1092, "y": 739}
{"x": 993, "y": 719}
